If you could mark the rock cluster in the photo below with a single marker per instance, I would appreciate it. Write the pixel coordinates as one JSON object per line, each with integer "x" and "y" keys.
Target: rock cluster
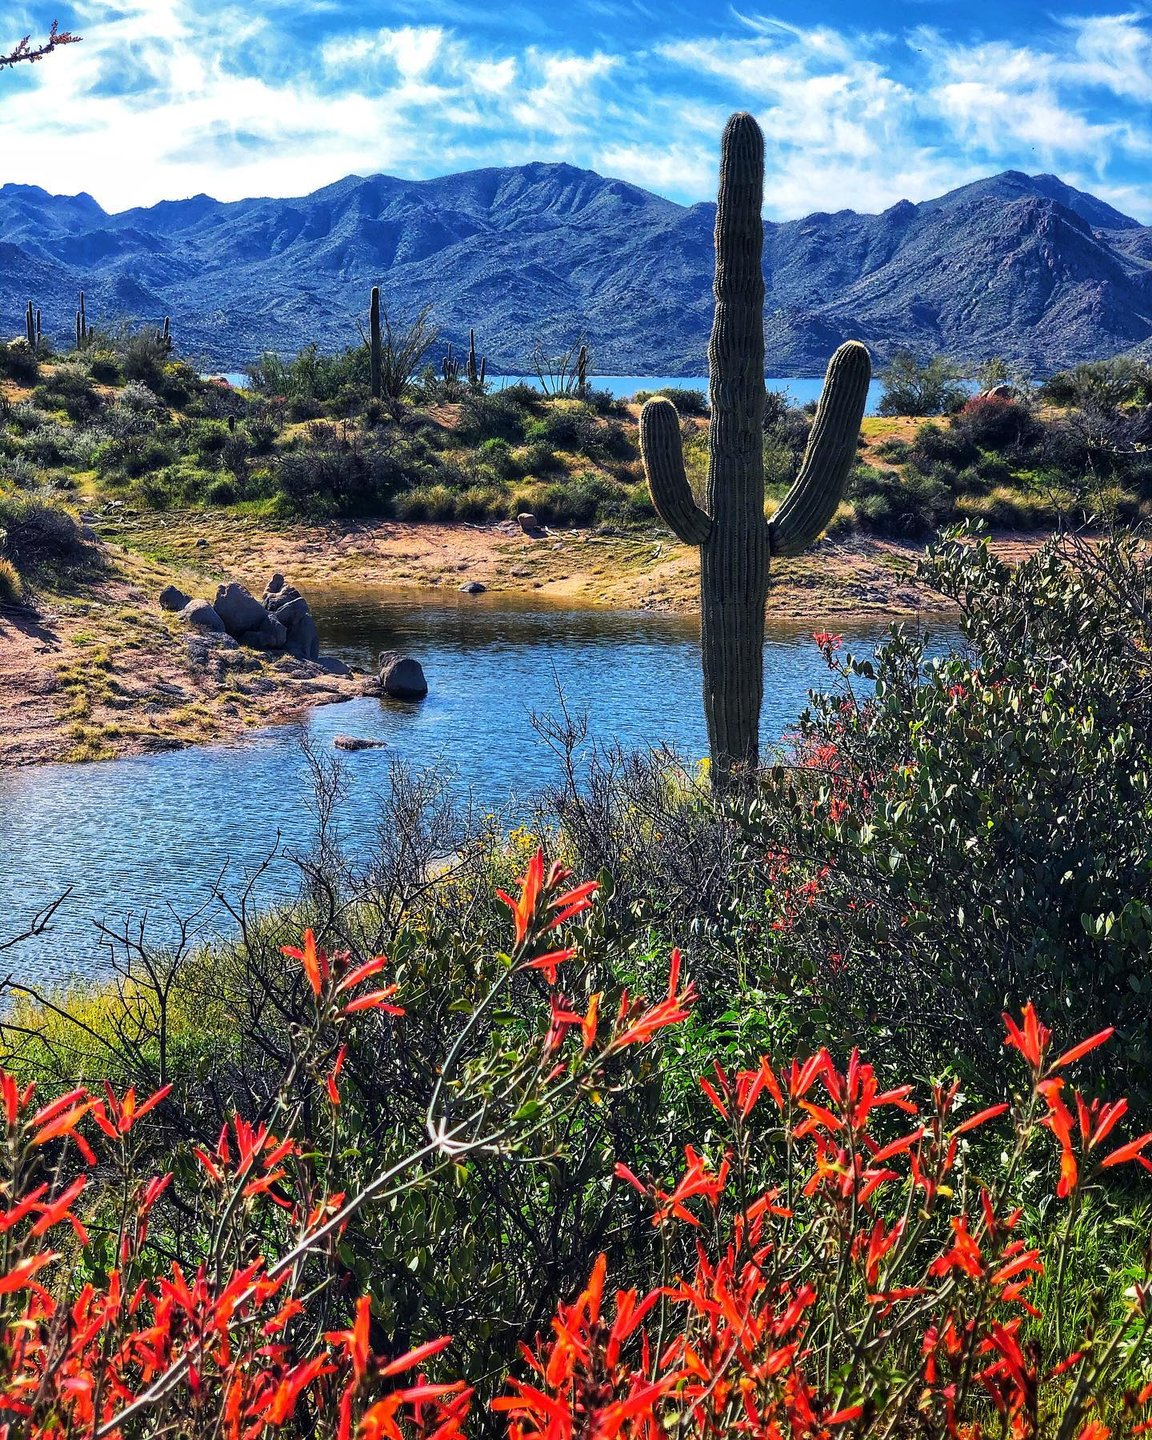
{"x": 281, "y": 621}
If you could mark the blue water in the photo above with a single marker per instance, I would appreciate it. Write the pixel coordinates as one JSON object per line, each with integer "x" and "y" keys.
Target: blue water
{"x": 800, "y": 391}
{"x": 150, "y": 837}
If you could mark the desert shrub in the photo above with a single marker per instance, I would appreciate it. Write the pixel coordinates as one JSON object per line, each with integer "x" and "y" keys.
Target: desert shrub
{"x": 973, "y": 827}
{"x": 500, "y": 416}
{"x": 911, "y": 503}
{"x": 336, "y": 476}
{"x": 687, "y": 401}
{"x": 1100, "y": 385}
{"x": 134, "y": 455}
{"x": 68, "y": 388}
{"x": 920, "y": 387}
{"x": 537, "y": 458}
{"x": 992, "y": 423}
{"x": 18, "y": 471}
{"x": 49, "y": 444}
{"x": 221, "y": 492}
{"x": 893, "y": 450}
{"x": 144, "y": 357}
{"x": 104, "y": 367}
{"x": 942, "y": 444}
{"x": 11, "y": 586}
{"x": 40, "y": 539}
{"x": 19, "y": 363}
{"x": 264, "y": 423}
{"x": 24, "y": 416}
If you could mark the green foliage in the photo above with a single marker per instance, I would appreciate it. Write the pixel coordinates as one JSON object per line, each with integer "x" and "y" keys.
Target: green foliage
{"x": 1101, "y": 385}
{"x": 921, "y": 387}
{"x": 69, "y": 388}
{"x": 688, "y": 401}
{"x": 973, "y": 829}
{"x": 18, "y": 362}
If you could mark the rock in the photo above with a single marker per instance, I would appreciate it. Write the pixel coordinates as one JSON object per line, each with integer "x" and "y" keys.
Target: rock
{"x": 291, "y": 614}
{"x": 202, "y": 614}
{"x": 87, "y": 533}
{"x": 279, "y": 598}
{"x": 472, "y": 587}
{"x": 402, "y": 677}
{"x": 238, "y": 608}
{"x": 357, "y": 742}
{"x": 304, "y": 639}
{"x": 276, "y": 583}
{"x": 268, "y": 635}
{"x": 529, "y": 523}
{"x": 173, "y": 599}
{"x": 331, "y": 666}
{"x": 201, "y": 544}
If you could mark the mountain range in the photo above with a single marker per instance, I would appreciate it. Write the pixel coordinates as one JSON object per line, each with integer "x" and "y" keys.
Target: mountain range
{"x": 1024, "y": 267}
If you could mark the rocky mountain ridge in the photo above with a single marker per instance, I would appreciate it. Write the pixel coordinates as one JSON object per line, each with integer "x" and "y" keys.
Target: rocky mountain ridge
{"x": 1021, "y": 266}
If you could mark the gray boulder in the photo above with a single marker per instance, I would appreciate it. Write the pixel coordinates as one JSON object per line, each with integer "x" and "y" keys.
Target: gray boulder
{"x": 277, "y": 599}
{"x": 238, "y": 608}
{"x": 304, "y": 639}
{"x": 331, "y": 666}
{"x": 357, "y": 742}
{"x": 530, "y": 524}
{"x": 291, "y": 614}
{"x": 203, "y": 616}
{"x": 402, "y": 677}
{"x": 472, "y": 587}
{"x": 268, "y": 635}
{"x": 173, "y": 599}
{"x": 274, "y": 585}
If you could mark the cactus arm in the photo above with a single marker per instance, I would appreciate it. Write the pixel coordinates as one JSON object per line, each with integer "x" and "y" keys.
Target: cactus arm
{"x": 819, "y": 488}
{"x": 668, "y": 485}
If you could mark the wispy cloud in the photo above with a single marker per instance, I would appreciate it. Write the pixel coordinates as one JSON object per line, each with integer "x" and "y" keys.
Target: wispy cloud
{"x": 169, "y": 97}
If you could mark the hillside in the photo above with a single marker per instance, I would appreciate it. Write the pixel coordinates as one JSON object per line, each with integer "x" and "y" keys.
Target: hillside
{"x": 1022, "y": 266}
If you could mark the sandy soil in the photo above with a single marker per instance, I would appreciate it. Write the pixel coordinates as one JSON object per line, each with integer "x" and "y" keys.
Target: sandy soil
{"x": 104, "y": 672}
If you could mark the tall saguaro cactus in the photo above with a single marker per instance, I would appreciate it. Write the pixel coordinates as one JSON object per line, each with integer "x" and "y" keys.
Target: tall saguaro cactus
{"x": 374, "y": 342}
{"x": 736, "y": 542}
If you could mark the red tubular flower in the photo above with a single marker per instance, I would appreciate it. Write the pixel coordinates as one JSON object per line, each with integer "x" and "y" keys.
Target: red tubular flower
{"x": 1030, "y": 1038}
{"x": 314, "y": 961}
{"x": 524, "y": 906}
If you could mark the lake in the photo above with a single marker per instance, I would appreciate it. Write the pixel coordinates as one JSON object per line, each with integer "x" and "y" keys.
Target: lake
{"x": 800, "y": 391}
{"x": 152, "y": 835}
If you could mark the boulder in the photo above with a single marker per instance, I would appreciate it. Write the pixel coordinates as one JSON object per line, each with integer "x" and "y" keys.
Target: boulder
{"x": 268, "y": 635}
{"x": 274, "y": 585}
{"x": 238, "y": 608}
{"x": 357, "y": 742}
{"x": 402, "y": 677}
{"x": 472, "y": 587}
{"x": 291, "y": 614}
{"x": 173, "y": 599}
{"x": 304, "y": 639}
{"x": 202, "y": 615}
{"x": 284, "y": 596}
{"x": 529, "y": 523}
{"x": 331, "y": 666}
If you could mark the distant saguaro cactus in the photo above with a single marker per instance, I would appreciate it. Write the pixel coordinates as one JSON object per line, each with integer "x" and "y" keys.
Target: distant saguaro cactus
{"x": 735, "y": 540}
{"x": 374, "y": 341}
{"x": 450, "y": 367}
{"x": 30, "y": 326}
{"x": 166, "y": 334}
{"x": 582, "y": 372}
{"x": 475, "y": 372}
{"x": 81, "y": 324}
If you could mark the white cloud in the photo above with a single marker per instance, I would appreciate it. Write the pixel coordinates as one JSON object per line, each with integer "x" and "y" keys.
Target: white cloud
{"x": 168, "y": 97}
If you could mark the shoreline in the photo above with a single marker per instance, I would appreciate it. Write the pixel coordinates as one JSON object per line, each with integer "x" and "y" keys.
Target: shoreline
{"x": 101, "y": 672}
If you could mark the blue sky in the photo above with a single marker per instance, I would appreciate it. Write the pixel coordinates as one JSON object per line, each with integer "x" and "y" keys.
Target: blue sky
{"x": 862, "y": 106}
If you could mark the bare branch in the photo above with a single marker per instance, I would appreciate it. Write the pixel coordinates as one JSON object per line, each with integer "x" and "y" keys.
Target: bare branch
{"x": 25, "y": 50}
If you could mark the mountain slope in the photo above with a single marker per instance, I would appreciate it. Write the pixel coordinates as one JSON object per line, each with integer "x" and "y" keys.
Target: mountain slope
{"x": 1021, "y": 266}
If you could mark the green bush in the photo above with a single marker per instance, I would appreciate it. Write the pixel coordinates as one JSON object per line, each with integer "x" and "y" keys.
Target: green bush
{"x": 11, "y": 586}
{"x": 69, "y": 388}
{"x": 688, "y": 401}
{"x": 19, "y": 363}
{"x": 911, "y": 503}
{"x": 916, "y": 387}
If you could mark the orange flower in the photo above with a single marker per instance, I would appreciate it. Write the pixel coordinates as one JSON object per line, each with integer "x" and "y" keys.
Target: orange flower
{"x": 1031, "y": 1039}
{"x": 315, "y": 961}
{"x": 524, "y": 906}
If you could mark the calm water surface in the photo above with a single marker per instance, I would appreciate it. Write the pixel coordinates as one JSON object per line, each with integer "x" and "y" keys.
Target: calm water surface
{"x": 799, "y": 389}
{"x": 152, "y": 835}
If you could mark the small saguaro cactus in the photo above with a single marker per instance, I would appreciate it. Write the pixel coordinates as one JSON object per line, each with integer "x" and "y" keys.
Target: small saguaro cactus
{"x": 735, "y": 540}
{"x": 474, "y": 371}
{"x": 450, "y": 367}
{"x": 374, "y": 341}
{"x": 582, "y": 372}
{"x": 166, "y": 335}
{"x": 30, "y": 326}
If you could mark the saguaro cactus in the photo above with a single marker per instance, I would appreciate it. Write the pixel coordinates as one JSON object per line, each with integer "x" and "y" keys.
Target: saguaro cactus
{"x": 374, "y": 341}
{"x": 30, "y": 326}
{"x": 735, "y": 540}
